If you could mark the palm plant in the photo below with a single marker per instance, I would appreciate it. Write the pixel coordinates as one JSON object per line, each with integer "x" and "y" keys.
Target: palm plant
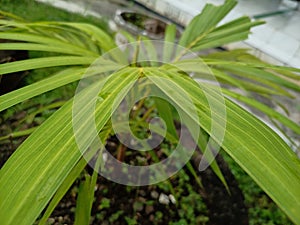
{"x": 42, "y": 169}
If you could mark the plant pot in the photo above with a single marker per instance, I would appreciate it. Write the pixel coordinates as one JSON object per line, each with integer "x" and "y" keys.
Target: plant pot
{"x": 141, "y": 24}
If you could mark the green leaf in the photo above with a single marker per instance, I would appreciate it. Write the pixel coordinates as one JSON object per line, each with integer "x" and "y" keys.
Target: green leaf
{"x": 252, "y": 144}
{"x": 30, "y": 64}
{"x": 148, "y": 53}
{"x": 264, "y": 82}
{"x": 166, "y": 114}
{"x": 170, "y": 36}
{"x": 241, "y": 57}
{"x": 265, "y": 109}
{"x": 60, "y": 79}
{"x": 50, "y": 41}
{"x": 38, "y": 47}
{"x": 259, "y": 75}
{"x": 82, "y": 211}
{"x": 40, "y": 165}
{"x": 67, "y": 183}
{"x": 236, "y": 30}
{"x": 205, "y": 22}
{"x": 104, "y": 40}
{"x": 72, "y": 176}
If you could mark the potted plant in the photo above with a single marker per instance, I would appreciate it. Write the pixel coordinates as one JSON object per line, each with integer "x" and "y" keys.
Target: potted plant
{"x": 113, "y": 79}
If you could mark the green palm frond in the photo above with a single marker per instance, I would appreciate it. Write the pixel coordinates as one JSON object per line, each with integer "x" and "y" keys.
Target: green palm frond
{"x": 49, "y": 160}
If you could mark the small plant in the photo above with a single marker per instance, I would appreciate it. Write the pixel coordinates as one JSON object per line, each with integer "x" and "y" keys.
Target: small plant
{"x": 154, "y": 78}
